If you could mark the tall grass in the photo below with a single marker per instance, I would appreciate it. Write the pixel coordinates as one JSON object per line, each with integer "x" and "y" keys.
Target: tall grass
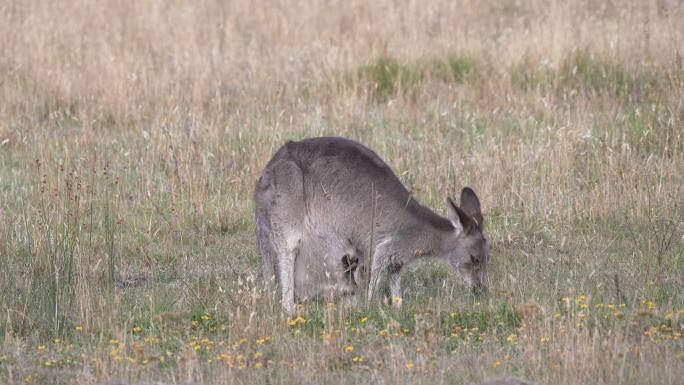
{"x": 131, "y": 135}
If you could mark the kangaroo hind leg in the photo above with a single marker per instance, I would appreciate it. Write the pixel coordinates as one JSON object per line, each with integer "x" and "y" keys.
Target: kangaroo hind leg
{"x": 283, "y": 195}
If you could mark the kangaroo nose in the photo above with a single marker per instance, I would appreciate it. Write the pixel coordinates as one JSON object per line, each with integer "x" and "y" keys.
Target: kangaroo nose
{"x": 479, "y": 289}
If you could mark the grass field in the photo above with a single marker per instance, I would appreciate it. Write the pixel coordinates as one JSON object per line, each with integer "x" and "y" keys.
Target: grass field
{"x": 132, "y": 133}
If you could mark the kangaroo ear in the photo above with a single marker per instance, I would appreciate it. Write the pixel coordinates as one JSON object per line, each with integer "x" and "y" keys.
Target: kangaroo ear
{"x": 459, "y": 219}
{"x": 471, "y": 205}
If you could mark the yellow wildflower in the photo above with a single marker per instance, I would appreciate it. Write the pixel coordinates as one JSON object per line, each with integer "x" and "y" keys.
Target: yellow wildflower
{"x": 348, "y": 348}
{"x": 297, "y": 320}
{"x": 511, "y": 338}
{"x": 409, "y": 365}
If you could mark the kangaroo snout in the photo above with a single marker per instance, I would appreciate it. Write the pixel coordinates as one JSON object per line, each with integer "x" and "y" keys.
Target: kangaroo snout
{"x": 479, "y": 289}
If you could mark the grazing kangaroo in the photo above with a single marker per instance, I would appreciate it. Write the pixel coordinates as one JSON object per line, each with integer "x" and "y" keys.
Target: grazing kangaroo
{"x": 315, "y": 202}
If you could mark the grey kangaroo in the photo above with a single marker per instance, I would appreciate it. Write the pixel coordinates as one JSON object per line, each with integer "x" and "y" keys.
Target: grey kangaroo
{"x": 315, "y": 202}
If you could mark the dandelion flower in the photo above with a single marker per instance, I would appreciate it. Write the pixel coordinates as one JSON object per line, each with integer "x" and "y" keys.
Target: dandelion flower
{"x": 348, "y": 348}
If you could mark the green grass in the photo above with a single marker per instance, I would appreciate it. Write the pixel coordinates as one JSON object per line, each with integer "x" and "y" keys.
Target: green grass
{"x": 387, "y": 77}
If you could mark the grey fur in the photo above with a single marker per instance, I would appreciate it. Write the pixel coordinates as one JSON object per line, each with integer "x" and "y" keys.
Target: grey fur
{"x": 315, "y": 201}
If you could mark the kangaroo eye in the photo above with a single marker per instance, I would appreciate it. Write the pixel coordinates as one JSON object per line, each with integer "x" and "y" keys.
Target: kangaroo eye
{"x": 474, "y": 260}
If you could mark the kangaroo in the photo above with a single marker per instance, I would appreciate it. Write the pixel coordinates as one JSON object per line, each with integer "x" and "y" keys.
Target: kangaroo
{"x": 323, "y": 204}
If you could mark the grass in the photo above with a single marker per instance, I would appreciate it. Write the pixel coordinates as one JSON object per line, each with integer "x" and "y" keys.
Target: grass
{"x": 131, "y": 138}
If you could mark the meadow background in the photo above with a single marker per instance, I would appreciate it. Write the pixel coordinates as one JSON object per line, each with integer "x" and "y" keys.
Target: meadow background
{"x": 132, "y": 133}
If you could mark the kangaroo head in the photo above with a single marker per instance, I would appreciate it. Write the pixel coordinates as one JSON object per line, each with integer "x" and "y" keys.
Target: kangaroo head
{"x": 467, "y": 249}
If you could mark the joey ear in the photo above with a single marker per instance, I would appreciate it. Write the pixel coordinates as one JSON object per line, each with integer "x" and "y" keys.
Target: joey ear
{"x": 471, "y": 205}
{"x": 459, "y": 219}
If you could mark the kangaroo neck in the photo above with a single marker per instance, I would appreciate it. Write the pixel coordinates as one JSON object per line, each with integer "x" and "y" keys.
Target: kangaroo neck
{"x": 423, "y": 238}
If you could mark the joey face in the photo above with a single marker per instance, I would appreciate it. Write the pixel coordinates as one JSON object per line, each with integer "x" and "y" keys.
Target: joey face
{"x": 467, "y": 248}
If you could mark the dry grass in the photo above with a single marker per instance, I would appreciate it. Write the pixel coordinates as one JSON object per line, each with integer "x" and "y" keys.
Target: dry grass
{"x": 131, "y": 134}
